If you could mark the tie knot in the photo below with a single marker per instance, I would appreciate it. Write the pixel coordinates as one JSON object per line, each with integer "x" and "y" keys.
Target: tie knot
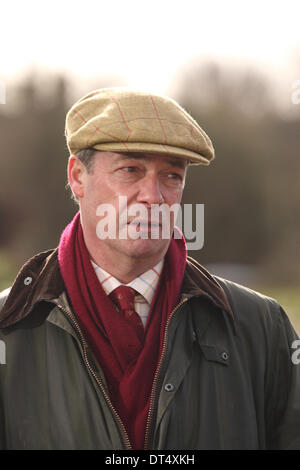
{"x": 123, "y": 296}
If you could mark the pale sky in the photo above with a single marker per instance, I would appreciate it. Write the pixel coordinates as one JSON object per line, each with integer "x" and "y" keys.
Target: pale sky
{"x": 147, "y": 43}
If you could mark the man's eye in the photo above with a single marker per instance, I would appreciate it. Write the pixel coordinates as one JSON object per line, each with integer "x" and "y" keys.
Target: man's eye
{"x": 174, "y": 176}
{"x": 129, "y": 169}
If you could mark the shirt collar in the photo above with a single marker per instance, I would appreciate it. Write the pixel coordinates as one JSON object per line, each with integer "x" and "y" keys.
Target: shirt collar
{"x": 145, "y": 284}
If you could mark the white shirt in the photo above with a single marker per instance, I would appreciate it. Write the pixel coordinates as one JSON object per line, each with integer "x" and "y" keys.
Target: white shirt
{"x": 145, "y": 285}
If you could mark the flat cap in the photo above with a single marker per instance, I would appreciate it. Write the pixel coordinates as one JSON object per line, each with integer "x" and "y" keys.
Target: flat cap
{"x": 123, "y": 120}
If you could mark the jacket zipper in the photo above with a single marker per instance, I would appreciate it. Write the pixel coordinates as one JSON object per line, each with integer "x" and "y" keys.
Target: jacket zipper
{"x": 149, "y": 424}
{"x": 121, "y": 426}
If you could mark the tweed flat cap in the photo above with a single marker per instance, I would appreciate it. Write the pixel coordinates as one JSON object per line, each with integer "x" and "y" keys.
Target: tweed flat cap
{"x": 124, "y": 120}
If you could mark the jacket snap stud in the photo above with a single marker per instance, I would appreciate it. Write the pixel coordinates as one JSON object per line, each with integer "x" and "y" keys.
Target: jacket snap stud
{"x": 27, "y": 280}
{"x": 224, "y": 355}
{"x": 169, "y": 387}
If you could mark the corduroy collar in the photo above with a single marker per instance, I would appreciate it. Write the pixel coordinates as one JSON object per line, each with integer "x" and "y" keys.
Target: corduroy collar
{"x": 40, "y": 280}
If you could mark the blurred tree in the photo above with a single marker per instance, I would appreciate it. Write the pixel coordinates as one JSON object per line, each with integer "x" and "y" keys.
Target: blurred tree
{"x": 33, "y": 168}
{"x": 251, "y": 191}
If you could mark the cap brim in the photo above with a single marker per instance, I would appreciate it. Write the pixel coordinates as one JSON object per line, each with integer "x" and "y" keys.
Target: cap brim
{"x": 143, "y": 147}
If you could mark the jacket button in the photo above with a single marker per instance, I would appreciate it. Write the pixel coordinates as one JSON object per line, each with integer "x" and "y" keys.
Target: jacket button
{"x": 27, "y": 280}
{"x": 169, "y": 387}
{"x": 224, "y": 356}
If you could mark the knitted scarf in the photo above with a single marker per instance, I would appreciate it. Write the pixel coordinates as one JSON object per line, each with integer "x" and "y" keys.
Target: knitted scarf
{"x": 128, "y": 364}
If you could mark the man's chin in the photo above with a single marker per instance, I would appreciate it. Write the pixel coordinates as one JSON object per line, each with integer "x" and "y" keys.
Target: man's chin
{"x": 144, "y": 247}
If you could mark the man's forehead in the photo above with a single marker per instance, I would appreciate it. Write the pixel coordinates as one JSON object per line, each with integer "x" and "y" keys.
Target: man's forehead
{"x": 171, "y": 160}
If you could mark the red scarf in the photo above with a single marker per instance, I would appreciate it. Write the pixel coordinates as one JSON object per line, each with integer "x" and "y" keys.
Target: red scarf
{"x": 129, "y": 381}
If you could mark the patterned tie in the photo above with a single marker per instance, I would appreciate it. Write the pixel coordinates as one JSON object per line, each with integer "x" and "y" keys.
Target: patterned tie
{"x": 123, "y": 297}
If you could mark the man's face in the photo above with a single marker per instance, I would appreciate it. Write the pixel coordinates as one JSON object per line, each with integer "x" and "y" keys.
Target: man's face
{"x": 145, "y": 179}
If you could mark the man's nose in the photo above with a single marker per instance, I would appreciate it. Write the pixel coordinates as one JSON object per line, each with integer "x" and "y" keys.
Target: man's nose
{"x": 150, "y": 191}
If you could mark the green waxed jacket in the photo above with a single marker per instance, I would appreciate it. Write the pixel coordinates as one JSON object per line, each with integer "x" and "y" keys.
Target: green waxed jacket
{"x": 226, "y": 379}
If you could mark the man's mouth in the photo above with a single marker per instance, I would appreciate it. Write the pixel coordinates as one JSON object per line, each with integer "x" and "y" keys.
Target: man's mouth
{"x": 144, "y": 224}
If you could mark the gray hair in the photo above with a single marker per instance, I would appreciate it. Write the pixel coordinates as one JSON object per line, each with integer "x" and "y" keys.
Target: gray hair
{"x": 86, "y": 156}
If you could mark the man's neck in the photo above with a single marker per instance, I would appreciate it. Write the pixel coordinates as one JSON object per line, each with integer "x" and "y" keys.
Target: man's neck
{"x": 122, "y": 263}
{"x": 122, "y": 267}
{"x": 124, "y": 272}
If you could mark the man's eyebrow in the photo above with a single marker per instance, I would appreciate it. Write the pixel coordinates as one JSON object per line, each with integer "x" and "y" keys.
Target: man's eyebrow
{"x": 180, "y": 163}
{"x": 176, "y": 162}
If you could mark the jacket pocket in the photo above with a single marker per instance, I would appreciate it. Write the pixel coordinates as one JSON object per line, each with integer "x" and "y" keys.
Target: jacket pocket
{"x": 215, "y": 354}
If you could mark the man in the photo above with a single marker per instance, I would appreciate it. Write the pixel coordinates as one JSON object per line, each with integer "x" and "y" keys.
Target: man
{"x": 117, "y": 339}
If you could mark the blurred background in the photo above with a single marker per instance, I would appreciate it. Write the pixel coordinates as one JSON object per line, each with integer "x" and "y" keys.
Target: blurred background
{"x": 235, "y": 66}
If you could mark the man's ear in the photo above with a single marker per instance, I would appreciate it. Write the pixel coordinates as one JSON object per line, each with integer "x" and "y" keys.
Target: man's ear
{"x": 76, "y": 176}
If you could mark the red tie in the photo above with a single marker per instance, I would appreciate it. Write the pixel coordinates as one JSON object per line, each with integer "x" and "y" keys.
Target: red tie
{"x": 123, "y": 297}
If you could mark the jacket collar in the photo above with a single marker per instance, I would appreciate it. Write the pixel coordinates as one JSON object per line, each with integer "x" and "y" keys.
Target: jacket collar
{"x": 198, "y": 281}
{"x": 40, "y": 280}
